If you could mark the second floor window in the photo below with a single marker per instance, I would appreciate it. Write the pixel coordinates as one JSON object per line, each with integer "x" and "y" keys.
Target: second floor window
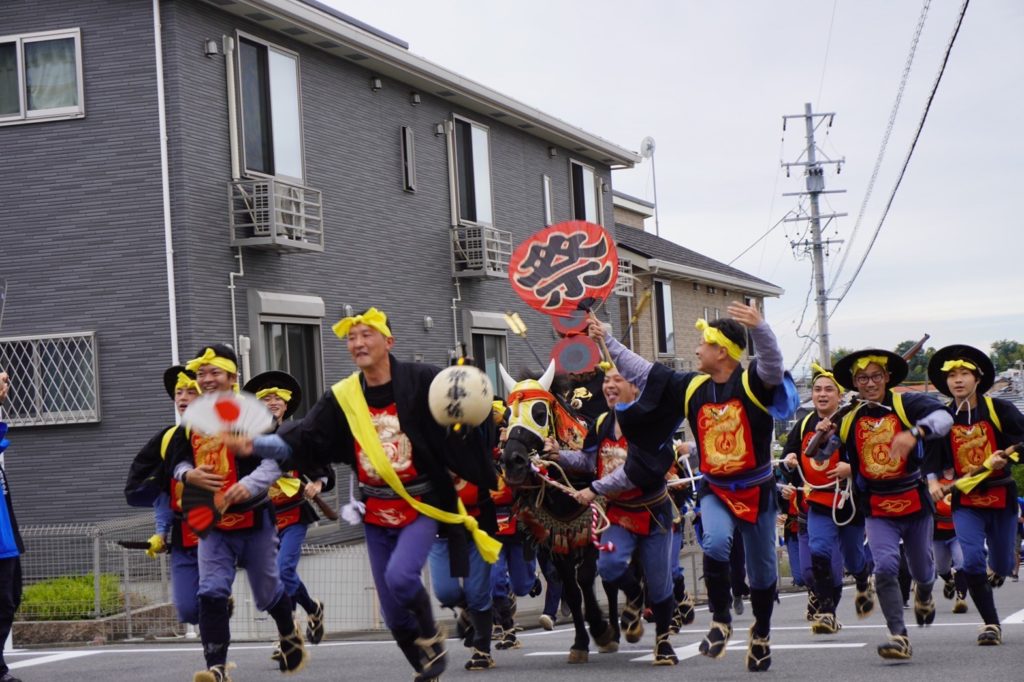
{"x": 268, "y": 84}
{"x": 473, "y": 172}
{"x": 586, "y": 194}
{"x": 41, "y": 76}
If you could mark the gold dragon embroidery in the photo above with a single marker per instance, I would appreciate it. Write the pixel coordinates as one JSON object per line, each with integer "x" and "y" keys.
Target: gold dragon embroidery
{"x": 724, "y": 440}
{"x": 875, "y": 437}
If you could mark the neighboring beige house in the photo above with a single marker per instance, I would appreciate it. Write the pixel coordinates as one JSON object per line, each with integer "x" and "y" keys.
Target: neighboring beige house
{"x": 684, "y": 286}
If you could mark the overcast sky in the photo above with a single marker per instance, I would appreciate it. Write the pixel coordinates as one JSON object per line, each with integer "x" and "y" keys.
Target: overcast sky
{"x": 710, "y": 82}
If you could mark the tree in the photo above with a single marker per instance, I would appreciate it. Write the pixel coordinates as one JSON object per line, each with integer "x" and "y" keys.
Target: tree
{"x": 918, "y": 363}
{"x": 1006, "y": 354}
{"x": 839, "y": 353}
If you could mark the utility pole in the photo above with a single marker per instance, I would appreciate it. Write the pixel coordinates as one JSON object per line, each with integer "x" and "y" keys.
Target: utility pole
{"x": 815, "y": 175}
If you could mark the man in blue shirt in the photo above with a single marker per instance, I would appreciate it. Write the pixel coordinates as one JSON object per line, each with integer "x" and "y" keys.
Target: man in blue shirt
{"x": 11, "y": 549}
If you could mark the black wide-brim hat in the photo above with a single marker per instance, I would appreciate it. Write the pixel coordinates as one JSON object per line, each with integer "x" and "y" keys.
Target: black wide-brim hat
{"x": 895, "y": 365}
{"x": 171, "y": 378}
{"x": 277, "y": 379}
{"x": 961, "y": 352}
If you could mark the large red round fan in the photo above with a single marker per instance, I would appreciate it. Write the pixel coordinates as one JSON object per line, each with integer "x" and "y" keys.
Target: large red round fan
{"x": 562, "y": 265}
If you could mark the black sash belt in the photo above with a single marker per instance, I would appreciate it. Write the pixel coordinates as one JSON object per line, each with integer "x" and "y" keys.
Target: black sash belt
{"x": 386, "y": 493}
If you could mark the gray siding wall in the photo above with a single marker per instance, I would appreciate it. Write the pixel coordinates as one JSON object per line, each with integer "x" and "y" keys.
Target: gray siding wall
{"x": 383, "y": 246}
{"x": 81, "y": 245}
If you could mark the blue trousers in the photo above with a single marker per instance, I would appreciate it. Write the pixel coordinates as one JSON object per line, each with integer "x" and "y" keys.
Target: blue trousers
{"x": 474, "y": 589}
{"x": 222, "y": 553}
{"x": 884, "y": 534}
{"x": 799, "y": 559}
{"x": 185, "y": 583}
{"x": 825, "y": 538}
{"x": 288, "y": 555}
{"x": 397, "y": 557}
{"x": 948, "y": 555}
{"x": 996, "y": 528}
{"x": 675, "y": 561}
{"x": 512, "y": 572}
{"x": 758, "y": 539}
{"x": 655, "y": 551}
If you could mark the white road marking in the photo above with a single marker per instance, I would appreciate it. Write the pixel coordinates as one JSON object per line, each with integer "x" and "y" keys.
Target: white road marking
{"x": 1014, "y": 618}
{"x": 52, "y": 658}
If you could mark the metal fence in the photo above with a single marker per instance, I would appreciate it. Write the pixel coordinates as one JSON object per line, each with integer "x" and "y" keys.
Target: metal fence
{"x": 81, "y": 585}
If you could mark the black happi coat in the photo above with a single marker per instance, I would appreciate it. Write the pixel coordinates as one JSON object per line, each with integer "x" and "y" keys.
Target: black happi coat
{"x": 652, "y": 420}
{"x": 324, "y": 436}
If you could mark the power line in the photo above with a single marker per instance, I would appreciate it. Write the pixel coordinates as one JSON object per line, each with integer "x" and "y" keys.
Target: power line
{"x": 828, "y": 46}
{"x": 885, "y": 141}
{"x": 910, "y": 152}
{"x": 758, "y": 240}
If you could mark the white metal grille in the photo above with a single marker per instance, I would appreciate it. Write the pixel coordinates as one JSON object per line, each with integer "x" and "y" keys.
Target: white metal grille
{"x": 625, "y": 285}
{"x": 479, "y": 251}
{"x": 53, "y": 379}
{"x": 273, "y": 213}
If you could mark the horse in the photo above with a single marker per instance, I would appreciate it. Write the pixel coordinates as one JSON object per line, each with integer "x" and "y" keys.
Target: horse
{"x": 555, "y": 522}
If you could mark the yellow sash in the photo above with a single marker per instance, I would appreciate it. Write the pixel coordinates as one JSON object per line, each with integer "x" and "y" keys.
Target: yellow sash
{"x": 349, "y": 395}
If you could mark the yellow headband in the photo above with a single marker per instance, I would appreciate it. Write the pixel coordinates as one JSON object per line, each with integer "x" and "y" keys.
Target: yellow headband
{"x": 950, "y": 365}
{"x": 819, "y": 371}
{"x": 371, "y": 318}
{"x": 187, "y": 382}
{"x": 862, "y": 363}
{"x": 209, "y": 357}
{"x": 282, "y": 393}
{"x": 714, "y": 335}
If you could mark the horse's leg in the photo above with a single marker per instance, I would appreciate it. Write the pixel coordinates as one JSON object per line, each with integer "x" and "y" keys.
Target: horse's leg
{"x": 612, "y": 594}
{"x": 566, "y": 566}
{"x": 602, "y": 633}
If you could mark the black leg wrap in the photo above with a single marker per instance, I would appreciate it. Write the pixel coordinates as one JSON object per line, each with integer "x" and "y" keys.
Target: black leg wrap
{"x": 837, "y": 595}
{"x": 214, "y": 629}
{"x": 981, "y": 593}
{"x": 302, "y": 598}
{"x": 762, "y": 603}
{"x": 281, "y": 612}
{"x": 405, "y": 639}
{"x": 481, "y": 625}
{"x": 663, "y": 614}
{"x": 890, "y": 598}
{"x": 863, "y": 578}
{"x": 424, "y": 614}
{"x": 960, "y": 581}
{"x": 716, "y": 580}
{"x": 821, "y": 566}
{"x": 679, "y": 587}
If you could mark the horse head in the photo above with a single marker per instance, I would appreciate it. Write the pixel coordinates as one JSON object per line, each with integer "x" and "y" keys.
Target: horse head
{"x": 530, "y": 422}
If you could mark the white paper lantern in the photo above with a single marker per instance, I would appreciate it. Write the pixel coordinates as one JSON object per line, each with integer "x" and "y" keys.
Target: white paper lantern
{"x": 461, "y": 394}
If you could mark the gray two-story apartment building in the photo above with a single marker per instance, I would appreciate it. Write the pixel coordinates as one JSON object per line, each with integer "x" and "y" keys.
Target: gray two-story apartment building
{"x": 180, "y": 172}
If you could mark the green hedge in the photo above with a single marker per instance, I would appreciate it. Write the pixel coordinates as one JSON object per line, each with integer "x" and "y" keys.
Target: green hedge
{"x": 70, "y": 598}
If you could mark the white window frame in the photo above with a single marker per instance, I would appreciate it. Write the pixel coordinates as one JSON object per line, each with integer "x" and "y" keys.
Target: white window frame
{"x": 249, "y": 172}
{"x": 57, "y": 114}
{"x": 91, "y": 411}
{"x": 453, "y": 161}
{"x": 549, "y": 205}
{"x": 598, "y": 192}
{"x": 670, "y": 333}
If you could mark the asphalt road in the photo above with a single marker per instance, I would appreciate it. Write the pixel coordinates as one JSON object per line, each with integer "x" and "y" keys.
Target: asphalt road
{"x": 945, "y": 651}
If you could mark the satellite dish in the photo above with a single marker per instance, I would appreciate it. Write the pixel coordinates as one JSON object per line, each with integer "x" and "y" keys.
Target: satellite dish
{"x": 647, "y": 147}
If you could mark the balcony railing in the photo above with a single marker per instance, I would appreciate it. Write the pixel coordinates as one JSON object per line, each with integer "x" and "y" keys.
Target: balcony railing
{"x": 479, "y": 251}
{"x": 273, "y": 214}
